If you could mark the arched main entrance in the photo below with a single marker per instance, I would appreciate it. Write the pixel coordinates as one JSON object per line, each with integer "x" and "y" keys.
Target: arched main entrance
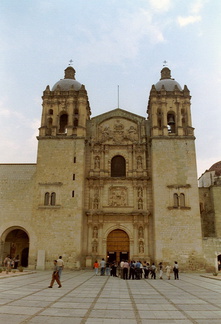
{"x": 16, "y": 245}
{"x": 118, "y": 245}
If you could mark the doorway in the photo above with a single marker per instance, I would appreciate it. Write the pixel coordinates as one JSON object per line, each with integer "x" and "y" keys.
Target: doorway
{"x": 118, "y": 246}
{"x": 16, "y": 245}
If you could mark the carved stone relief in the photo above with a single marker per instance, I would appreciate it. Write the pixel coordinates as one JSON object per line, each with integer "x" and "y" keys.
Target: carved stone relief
{"x": 118, "y": 132}
{"x": 118, "y": 196}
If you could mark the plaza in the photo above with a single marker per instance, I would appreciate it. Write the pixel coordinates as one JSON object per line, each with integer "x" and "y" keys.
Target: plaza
{"x": 86, "y": 298}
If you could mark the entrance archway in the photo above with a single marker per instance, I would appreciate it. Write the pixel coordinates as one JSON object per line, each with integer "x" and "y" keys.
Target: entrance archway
{"x": 118, "y": 246}
{"x": 16, "y": 245}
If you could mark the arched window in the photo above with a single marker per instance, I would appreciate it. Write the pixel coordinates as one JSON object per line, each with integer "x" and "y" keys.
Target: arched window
{"x": 46, "y": 201}
{"x": 118, "y": 166}
{"x": 53, "y": 198}
{"x": 50, "y": 112}
{"x": 75, "y": 122}
{"x": 63, "y": 123}
{"x": 159, "y": 118}
{"x": 175, "y": 200}
{"x": 182, "y": 200}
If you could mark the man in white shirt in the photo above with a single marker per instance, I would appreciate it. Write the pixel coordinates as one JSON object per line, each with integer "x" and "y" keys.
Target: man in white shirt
{"x": 60, "y": 265}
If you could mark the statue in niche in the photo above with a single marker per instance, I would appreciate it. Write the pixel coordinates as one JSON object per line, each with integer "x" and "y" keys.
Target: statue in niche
{"x": 96, "y": 203}
{"x": 141, "y": 247}
{"x": 139, "y": 192}
{"x": 95, "y": 232}
{"x": 94, "y": 247}
{"x": 96, "y": 162}
{"x": 140, "y": 232}
{"x": 140, "y": 204}
{"x": 139, "y": 162}
{"x": 132, "y": 133}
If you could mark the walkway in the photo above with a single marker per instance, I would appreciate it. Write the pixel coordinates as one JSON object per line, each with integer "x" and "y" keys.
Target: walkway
{"x": 85, "y": 298}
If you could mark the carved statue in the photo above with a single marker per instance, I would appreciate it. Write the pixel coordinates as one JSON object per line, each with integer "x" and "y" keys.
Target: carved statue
{"x": 139, "y": 162}
{"x": 95, "y": 232}
{"x": 96, "y": 162}
{"x": 140, "y": 232}
{"x": 140, "y": 204}
{"x": 141, "y": 247}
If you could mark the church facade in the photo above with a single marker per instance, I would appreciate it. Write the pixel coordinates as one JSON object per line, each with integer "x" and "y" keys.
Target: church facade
{"x": 115, "y": 186}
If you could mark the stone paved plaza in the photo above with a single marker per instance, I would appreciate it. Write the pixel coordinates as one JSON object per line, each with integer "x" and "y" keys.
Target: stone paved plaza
{"x": 85, "y": 298}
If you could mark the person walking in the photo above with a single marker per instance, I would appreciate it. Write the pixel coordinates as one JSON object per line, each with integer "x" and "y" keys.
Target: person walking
{"x": 161, "y": 270}
{"x": 168, "y": 271}
{"x": 125, "y": 270}
{"x": 96, "y": 267}
{"x": 102, "y": 264}
{"x": 55, "y": 276}
{"x": 153, "y": 271}
{"x": 60, "y": 264}
{"x": 176, "y": 270}
{"x": 107, "y": 268}
{"x": 132, "y": 270}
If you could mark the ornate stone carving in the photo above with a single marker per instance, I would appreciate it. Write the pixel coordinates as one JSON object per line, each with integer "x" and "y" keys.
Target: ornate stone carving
{"x": 117, "y": 132}
{"x": 118, "y": 196}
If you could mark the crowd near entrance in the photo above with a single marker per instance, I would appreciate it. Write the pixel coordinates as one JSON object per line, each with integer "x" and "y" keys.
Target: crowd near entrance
{"x": 118, "y": 246}
{"x": 15, "y": 245}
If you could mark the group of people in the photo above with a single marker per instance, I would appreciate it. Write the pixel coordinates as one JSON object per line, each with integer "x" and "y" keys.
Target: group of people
{"x": 11, "y": 263}
{"x": 135, "y": 269}
{"x": 57, "y": 270}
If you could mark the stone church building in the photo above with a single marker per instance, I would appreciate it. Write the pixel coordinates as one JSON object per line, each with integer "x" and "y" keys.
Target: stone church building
{"x": 115, "y": 186}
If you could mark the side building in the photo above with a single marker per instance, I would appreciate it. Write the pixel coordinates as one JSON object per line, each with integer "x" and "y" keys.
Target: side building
{"x": 115, "y": 186}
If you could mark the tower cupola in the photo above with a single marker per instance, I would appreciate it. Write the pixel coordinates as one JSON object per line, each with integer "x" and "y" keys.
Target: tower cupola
{"x": 169, "y": 107}
{"x": 66, "y": 108}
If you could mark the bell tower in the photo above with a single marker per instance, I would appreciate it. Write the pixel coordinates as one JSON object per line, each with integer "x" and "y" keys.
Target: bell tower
{"x": 60, "y": 174}
{"x": 176, "y": 215}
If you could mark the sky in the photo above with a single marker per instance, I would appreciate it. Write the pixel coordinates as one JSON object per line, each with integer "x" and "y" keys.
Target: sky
{"x": 113, "y": 44}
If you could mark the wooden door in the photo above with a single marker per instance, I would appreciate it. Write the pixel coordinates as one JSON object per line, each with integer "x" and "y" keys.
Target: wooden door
{"x": 118, "y": 242}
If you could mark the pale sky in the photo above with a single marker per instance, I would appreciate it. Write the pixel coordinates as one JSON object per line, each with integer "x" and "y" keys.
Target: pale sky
{"x": 111, "y": 43}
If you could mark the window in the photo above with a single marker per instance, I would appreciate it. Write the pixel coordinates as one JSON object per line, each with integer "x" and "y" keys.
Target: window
{"x": 63, "y": 123}
{"x": 118, "y": 166}
{"x": 73, "y": 193}
{"x": 50, "y": 199}
{"x": 53, "y": 198}
{"x": 175, "y": 200}
{"x": 182, "y": 200}
{"x": 46, "y": 201}
{"x": 75, "y": 159}
{"x": 73, "y": 176}
{"x": 75, "y": 122}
